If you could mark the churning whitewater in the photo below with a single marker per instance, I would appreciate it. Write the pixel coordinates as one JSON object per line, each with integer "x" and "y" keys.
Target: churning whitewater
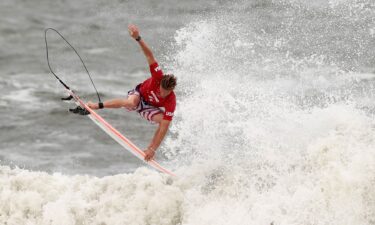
{"x": 274, "y": 125}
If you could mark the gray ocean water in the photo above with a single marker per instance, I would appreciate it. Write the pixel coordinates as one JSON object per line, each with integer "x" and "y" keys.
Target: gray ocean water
{"x": 275, "y": 121}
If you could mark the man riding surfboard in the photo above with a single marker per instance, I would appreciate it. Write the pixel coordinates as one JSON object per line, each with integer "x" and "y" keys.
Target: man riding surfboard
{"x": 147, "y": 97}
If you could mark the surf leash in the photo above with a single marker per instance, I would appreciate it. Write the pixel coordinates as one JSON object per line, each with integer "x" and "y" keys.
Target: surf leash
{"x": 78, "y": 109}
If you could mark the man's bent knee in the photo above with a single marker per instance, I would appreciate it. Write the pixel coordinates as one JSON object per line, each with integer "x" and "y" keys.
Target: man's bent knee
{"x": 132, "y": 101}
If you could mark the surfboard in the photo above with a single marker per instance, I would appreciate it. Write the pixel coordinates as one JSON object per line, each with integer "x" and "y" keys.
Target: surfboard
{"x": 116, "y": 135}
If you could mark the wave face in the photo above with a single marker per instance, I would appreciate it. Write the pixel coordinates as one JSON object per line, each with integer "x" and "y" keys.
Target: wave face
{"x": 275, "y": 125}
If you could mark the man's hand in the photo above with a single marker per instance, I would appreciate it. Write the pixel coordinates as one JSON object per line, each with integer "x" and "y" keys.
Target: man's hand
{"x": 133, "y": 31}
{"x": 93, "y": 105}
{"x": 150, "y": 154}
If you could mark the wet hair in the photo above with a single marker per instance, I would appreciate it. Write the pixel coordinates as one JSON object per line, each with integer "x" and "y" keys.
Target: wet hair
{"x": 168, "y": 82}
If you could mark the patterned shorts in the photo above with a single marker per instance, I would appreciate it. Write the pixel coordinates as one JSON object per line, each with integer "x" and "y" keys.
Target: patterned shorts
{"x": 144, "y": 109}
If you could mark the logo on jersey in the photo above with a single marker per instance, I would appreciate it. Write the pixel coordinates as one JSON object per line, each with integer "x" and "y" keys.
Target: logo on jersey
{"x": 151, "y": 98}
{"x": 157, "y": 69}
{"x": 169, "y": 113}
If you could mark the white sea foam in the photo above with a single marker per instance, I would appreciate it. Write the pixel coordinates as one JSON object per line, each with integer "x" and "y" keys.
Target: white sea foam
{"x": 329, "y": 181}
{"x": 144, "y": 197}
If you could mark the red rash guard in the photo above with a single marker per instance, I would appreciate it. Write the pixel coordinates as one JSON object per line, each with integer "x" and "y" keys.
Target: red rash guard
{"x": 150, "y": 91}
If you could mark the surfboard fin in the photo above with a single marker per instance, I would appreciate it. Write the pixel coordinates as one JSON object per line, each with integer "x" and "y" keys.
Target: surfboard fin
{"x": 67, "y": 98}
{"x": 79, "y": 110}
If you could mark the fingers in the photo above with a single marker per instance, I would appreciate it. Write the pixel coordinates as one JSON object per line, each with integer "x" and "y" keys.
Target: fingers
{"x": 130, "y": 30}
{"x": 149, "y": 156}
{"x": 133, "y": 30}
{"x": 132, "y": 27}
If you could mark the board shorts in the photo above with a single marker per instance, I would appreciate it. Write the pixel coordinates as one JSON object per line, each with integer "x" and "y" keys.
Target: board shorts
{"x": 144, "y": 109}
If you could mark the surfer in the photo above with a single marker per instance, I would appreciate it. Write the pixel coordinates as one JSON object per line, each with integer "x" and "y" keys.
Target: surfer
{"x": 148, "y": 97}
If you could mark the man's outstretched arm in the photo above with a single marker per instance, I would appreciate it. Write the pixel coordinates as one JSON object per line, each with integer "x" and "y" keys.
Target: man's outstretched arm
{"x": 157, "y": 139}
{"x": 134, "y": 33}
